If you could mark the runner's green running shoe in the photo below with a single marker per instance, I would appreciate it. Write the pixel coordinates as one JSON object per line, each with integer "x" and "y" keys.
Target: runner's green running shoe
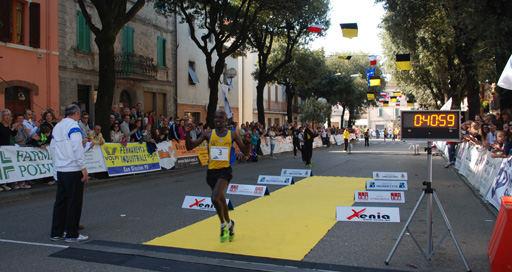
{"x": 232, "y": 231}
{"x": 224, "y": 234}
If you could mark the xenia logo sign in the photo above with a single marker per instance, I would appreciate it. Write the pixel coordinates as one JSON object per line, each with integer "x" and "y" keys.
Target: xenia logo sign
{"x": 369, "y": 217}
{"x": 367, "y": 214}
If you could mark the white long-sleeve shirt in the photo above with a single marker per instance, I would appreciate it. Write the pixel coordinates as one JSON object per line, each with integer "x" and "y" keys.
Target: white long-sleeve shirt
{"x": 66, "y": 147}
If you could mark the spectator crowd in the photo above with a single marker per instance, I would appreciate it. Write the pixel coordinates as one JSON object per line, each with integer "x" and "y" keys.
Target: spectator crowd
{"x": 132, "y": 125}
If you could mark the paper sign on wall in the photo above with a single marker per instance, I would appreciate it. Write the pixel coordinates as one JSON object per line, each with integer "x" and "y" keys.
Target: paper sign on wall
{"x": 275, "y": 180}
{"x": 297, "y": 172}
{"x": 201, "y": 203}
{"x": 390, "y": 175}
{"x": 367, "y": 214}
{"x": 386, "y": 185}
{"x": 379, "y": 196}
{"x": 244, "y": 189}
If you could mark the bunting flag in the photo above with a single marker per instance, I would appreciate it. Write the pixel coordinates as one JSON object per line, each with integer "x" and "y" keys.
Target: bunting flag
{"x": 373, "y": 60}
{"x": 355, "y": 75}
{"x": 316, "y": 28}
{"x": 374, "y": 81}
{"x": 342, "y": 58}
{"x": 386, "y": 104}
{"x": 397, "y": 103}
{"x": 383, "y": 94}
{"x": 410, "y": 104}
{"x": 403, "y": 62}
{"x": 370, "y": 96}
{"x": 397, "y": 93}
{"x": 369, "y": 73}
{"x": 381, "y": 100}
{"x": 505, "y": 80}
{"x": 393, "y": 99}
{"x": 349, "y": 30}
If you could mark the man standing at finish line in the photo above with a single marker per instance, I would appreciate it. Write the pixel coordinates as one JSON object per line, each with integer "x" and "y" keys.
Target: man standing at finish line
{"x": 221, "y": 155}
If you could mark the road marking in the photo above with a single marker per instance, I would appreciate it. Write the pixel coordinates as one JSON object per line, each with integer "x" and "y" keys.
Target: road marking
{"x": 32, "y": 244}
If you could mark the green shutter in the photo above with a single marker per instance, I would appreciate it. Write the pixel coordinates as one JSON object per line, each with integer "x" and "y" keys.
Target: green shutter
{"x": 84, "y": 34}
{"x": 161, "y": 52}
{"x": 128, "y": 49}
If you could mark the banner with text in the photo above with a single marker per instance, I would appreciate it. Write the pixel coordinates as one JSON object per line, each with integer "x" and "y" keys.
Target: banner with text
{"x": 275, "y": 180}
{"x": 386, "y": 185}
{"x": 244, "y": 189}
{"x": 130, "y": 159}
{"x": 367, "y": 214}
{"x": 379, "y": 196}
{"x": 201, "y": 203}
{"x": 18, "y": 164}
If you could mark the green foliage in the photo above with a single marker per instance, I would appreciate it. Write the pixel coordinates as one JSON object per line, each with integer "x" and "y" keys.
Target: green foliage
{"x": 315, "y": 111}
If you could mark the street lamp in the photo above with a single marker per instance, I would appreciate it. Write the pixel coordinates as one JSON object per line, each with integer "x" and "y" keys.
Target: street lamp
{"x": 230, "y": 74}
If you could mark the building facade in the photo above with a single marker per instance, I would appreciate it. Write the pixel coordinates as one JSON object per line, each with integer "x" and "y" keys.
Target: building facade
{"x": 29, "y": 55}
{"x": 145, "y": 60}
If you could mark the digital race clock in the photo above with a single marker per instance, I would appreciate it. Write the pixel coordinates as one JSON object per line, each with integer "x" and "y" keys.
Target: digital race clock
{"x": 430, "y": 125}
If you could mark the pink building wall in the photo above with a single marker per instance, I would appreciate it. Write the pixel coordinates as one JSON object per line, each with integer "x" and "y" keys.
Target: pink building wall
{"x": 36, "y": 69}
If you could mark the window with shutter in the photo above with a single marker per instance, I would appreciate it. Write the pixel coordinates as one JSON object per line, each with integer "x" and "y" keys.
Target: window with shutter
{"x": 84, "y": 34}
{"x": 34, "y": 16}
{"x": 161, "y": 52}
{"x": 6, "y": 19}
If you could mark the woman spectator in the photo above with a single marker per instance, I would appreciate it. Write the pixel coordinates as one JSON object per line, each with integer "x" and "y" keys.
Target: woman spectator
{"x": 48, "y": 121}
{"x": 7, "y": 134}
{"x": 272, "y": 137}
{"x": 21, "y": 135}
{"x": 502, "y": 147}
{"x": 155, "y": 134}
{"x": 116, "y": 136}
{"x": 181, "y": 130}
{"x": 146, "y": 134}
{"x": 137, "y": 136}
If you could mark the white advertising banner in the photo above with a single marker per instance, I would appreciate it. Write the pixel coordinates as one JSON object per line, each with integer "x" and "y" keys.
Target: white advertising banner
{"x": 502, "y": 185}
{"x": 24, "y": 163}
{"x": 94, "y": 160}
{"x": 244, "y": 189}
{"x": 390, "y": 175}
{"x": 490, "y": 170}
{"x": 167, "y": 154}
{"x": 386, "y": 185}
{"x": 296, "y": 173}
{"x": 201, "y": 203}
{"x": 379, "y": 196}
{"x": 367, "y": 214}
{"x": 275, "y": 180}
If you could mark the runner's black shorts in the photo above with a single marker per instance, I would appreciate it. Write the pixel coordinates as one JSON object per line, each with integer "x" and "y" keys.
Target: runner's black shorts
{"x": 212, "y": 175}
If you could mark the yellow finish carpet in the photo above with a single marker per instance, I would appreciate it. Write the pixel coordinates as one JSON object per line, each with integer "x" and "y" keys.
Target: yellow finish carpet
{"x": 286, "y": 224}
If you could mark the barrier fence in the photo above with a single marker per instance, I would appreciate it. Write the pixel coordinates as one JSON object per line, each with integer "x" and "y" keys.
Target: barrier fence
{"x": 491, "y": 177}
{"x": 29, "y": 163}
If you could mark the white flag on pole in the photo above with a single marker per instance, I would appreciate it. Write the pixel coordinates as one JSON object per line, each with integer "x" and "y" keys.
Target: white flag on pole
{"x": 227, "y": 108}
{"x": 505, "y": 81}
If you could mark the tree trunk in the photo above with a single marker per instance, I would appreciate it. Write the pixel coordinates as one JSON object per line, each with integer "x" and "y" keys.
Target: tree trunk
{"x": 289, "y": 102}
{"x": 260, "y": 88}
{"x": 342, "y": 117}
{"x": 212, "y": 102}
{"x": 106, "y": 84}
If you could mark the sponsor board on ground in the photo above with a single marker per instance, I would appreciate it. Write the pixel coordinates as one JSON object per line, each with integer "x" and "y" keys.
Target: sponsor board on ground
{"x": 244, "y": 189}
{"x": 379, "y": 196}
{"x": 386, "y": 185}
{"x": 201, "y": 203}
{"x": 390, "y": 175}
{"x": 367, "y": 214}
{"x": 275, "y": 180}
{"x": 296, "y": 172}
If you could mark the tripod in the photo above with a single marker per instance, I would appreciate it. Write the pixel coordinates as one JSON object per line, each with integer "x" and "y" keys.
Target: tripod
{"x": 429, "y": 192}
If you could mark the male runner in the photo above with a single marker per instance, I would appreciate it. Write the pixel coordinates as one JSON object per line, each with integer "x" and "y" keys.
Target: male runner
{"x": 221, "y": 155}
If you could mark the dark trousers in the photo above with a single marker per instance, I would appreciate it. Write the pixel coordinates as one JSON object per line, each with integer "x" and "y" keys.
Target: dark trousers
{"x": 296, "y": 146}
{"x": 366, "y": 141}
{"x": 67, "y": 209}
{"x": 307, "y": 151}
{"x": 346, "y": 144}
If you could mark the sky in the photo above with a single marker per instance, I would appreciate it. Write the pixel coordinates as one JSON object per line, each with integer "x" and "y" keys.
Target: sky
{"x": 366, "y": 14}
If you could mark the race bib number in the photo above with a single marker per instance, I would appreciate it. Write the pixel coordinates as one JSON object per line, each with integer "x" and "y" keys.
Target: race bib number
{"x": 219, "y": 153}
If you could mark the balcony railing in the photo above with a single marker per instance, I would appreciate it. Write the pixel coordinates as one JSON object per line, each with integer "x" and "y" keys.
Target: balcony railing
{"x": 132, "y": 66}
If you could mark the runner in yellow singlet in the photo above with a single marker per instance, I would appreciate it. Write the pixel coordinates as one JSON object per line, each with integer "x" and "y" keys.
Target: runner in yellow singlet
{"x": 221, "y": 155}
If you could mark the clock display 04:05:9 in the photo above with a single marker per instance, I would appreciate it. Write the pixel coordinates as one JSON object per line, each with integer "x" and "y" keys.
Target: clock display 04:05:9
{"x": 434, "y": 120}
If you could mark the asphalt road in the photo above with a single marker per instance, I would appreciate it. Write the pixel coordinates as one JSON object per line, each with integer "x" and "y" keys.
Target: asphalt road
{"x": 122, "y": 213}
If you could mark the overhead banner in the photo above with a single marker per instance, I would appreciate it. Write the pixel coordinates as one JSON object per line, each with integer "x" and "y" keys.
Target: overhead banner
{"x": 367, "y": 214}
{"x": 275, "y": 180}
{"x": 386, "y": 185}
{"x": 201, "y": 203}
{"x": 379, "y": 196}
{"x": 130, "y": 159}
{"x": 27, "y": 163}
{"x": 296, "y": 173}
{"x": 244, "y": 189}
{"x": 390, "y": 175}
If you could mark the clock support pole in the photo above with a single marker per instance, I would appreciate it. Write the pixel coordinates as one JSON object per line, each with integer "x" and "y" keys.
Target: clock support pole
{"x": 429, "y": 193}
